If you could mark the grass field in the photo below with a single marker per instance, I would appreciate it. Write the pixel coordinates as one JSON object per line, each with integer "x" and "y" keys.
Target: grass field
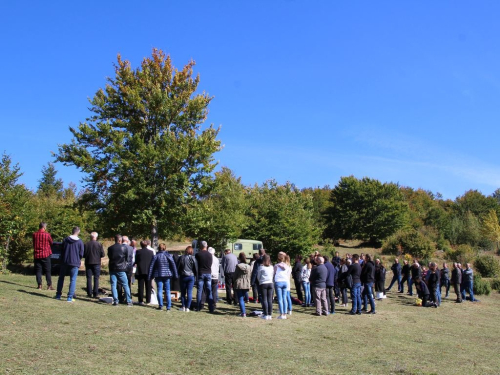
{"x": 40, "y": 335}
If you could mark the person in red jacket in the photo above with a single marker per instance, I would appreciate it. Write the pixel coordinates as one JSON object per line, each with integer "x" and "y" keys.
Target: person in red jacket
{"x": 42, "y": 242}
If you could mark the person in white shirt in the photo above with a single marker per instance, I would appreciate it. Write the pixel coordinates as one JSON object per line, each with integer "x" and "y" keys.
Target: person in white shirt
{"x": 265, "y": 277}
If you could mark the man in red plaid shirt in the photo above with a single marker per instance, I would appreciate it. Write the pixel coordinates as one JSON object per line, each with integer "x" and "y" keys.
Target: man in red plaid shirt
{"x": 42, "y": 242}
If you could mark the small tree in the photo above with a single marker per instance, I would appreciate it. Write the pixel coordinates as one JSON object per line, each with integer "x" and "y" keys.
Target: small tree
{"x": 491, "y": 228}
{"x": 145, "y": 156}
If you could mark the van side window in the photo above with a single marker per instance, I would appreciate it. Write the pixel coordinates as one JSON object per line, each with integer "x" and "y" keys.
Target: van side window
{"x": 238, "y": 246}
{"x": 257, "y": 246}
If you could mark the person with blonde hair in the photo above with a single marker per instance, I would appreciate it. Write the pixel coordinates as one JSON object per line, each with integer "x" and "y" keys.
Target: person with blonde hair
{"x": 306, "y": 284}
{"x": 288, "y": 289}
{"x": 281, "y": 280}
{"x": 265, "y": 276}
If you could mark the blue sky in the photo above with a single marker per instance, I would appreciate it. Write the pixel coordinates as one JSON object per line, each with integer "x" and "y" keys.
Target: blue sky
{"x": 305, "y": 91}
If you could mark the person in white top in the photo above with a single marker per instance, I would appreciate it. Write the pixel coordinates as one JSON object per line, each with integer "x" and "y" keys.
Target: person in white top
{"x": 215, "y": 275}
{"x": 282, "y": 279}
{"x": 265, "y": 277}
{"x": 304, "y": 277}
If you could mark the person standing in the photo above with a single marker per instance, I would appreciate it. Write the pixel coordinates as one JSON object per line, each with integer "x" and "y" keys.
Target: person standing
{"x": 228, "y": 263}
{"x": 163, "y": 269}
{"x": 143, "y": 258}
{"x": 456, "y": 280}
{"x": 380, "y": 272}
{"x": 265, "y": 276}
{"x": 242, "y": 281}
{"x": 306, "y": 284}
{"x": 204, "y": 259}
{"x": 42, "y": 242}
{"x": 445, "y": 279}
{"x": 432, "y": 283}
{"x": 187, "y": 267}
{"x": 118, "y": 255}
{"x": 355, "y": 272}
{"x": 468, "y": 281}
{"x": 319, "y": 275}
{"x": 130, "y": 268}
{"x": 406, "y": 276}
{"x": 254, "y": 281}
{"x": 281, "y": 280}
{"x": 416, "y": 271}
{"x": 396, "y": 275}
{"x": 368, "y": 278}
{"x": 71, "y": 260}
{"x": 215, "y": 276}
{"x": 331, "y": 280}
{"x": 93, "y": 252}
{"x": 296, "y": 272}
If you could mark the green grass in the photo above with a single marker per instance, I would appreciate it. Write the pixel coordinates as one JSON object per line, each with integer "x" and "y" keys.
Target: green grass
{"x": 40, "y": 335}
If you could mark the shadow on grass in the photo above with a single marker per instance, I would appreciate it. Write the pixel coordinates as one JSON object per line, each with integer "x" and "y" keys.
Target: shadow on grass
{"x": 11, "y": 283}
{"x": 36, "y": 294}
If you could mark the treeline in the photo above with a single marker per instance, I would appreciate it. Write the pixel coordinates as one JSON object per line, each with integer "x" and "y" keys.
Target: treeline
{"x": 401, "y": 220}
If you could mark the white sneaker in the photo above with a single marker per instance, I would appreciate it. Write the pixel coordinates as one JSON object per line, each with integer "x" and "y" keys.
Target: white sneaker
{"x": 269, "y": 317}
{"x": 187, "y": 310}
{"x": 263, "y": 317}
{"x": 290, "y": 312}
{"x": 282, "y": 317}
{"x": 182, "y": 309}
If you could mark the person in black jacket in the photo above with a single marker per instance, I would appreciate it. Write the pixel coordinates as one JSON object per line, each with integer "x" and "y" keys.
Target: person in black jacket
{"x": 204, "y": 259}
{"x": 433, "y": 282}
{"x": 296, "y": 272}
{"x": 93, "y": 252}
{"x": 118, "y": 255}
{"x": 456, "y": 281}
{"x": 379, "y": 279}
{"x": 445, "y": 279}
{"x": 318, "y": 278}
{"x": 406, "y": 276}
{"x": 331, "y": 280}
{"x": 396, "y": 275}
{"x": 368, "y": 278}
{"x": 423, "y": 292}
{"x": 416, "y": 271}
{"x": 355, "y": 272}
{"x": 143, "y": 258}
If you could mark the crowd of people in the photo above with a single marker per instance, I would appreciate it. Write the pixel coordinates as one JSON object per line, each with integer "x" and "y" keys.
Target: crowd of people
{"x": 319, "y": 282}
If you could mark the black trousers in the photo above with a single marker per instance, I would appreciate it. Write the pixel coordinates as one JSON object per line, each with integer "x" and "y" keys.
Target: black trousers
{"x": 93, "y": 271}
{"x": 456, "y": 287}
{"x": 229, "y": 281}
{"x": 344, "y": 296}
{"x": 330, "y": 298}
{"x": 142, "y": 281}
{"x": 267, "y": 298}
{"x": 43, "y": 266}
{"x": 298, "y": 289}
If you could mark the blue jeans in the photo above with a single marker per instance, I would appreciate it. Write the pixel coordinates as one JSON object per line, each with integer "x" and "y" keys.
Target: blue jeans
{"x": 469, "y": 287}
{"x": 241, "y": 299}
{"x": 187, "y": 284}
{"x": 289, "y": 300}
{"x": 163, "y": 283}
{"x": 356, "y": 297}
{"x": 438, "y": 294}
{"x": 410, "y": 284}
{"x": 368, "y": 296}
{"x": 119, "y": 277}
{"x": 205, "y": 281}
{"x": 307, "y": 292}
{"x": 394, "y": 279}
{"x": 73, "y": 273}
{"x": 281, "y": 294}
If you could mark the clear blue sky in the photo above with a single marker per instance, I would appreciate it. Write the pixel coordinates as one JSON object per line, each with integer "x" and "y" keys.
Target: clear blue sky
{"x": 305, "y": 91}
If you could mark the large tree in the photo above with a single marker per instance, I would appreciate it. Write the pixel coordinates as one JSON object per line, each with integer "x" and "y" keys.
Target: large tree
{"x": 143, "y": 150}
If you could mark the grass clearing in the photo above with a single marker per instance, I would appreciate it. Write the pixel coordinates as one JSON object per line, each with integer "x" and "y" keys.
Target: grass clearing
{"x": 40, "y": 335}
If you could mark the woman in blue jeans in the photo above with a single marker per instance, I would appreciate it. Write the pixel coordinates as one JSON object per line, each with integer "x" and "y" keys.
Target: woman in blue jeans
{"x": 304, "y": 277}
{"x": 242, "y": 281}
{"x": 187, "y": 267}
{"x": 162, "y": 269}
{"x": 282, "y": 279}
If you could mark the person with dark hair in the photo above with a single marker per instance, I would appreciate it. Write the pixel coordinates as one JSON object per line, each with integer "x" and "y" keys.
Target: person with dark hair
{"x": 187, "y": 269}
{"x": 416, "y": 271}
{"x": 130, "y": 267}
{"x": 204, "y": 259}
{"x": 255, "y": 289}
{"x": 433, "y": 282}
{"x": 331, "y": 280}
{"x": 336, "y": 260}
{"x": 265, "y": 276}
{"x": 343, "y": 282}
{"x": 93, "y": 252}
{"x": 456, "y": 281}
{"x": 445, "y": 279}
{"x": 396, "y": 275}
{"x": 228, "y": 263}
{"x": 380, "y": 272}
{"x": 355, "y": 272}
{"x": 306, "y": 284}
{"x": 423, "y": 292}
{"x": 253, "y": 278}
{"x": 143, "y": 258}
{"x": 296, "y": 272}
{"x": 319, "y": 276}
{"x": 118, "y": 255}
{"x": 368, "y": 278}
{"x": 406, "y": 276}
{"x": 42, "y": 242}
{"x": 163, "y": 269}
{"x": 242, "y": 281}
{"x": 71, "y": 260}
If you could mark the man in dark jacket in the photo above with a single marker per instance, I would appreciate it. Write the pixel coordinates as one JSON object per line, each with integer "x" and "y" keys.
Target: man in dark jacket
{"x": 130, "y": 267}
{"x": 456, "y": 281}
{"x": 368, "y": 278}
{"x": 229, "y": 262}
{"x": 118, "y": 255}
{"x": 433, "y": 282}
{"x": 204, "y": 259}
{"x": 72, "y": 253}
{"x": 396, "y": 275}
{"x": 296, "y": 272}
{"x": 445, "y": 279}
{"x": 406, "y": 276}
{"x": 253, "y": 277}
{"x": 318, "y": 278}
{"x": 143, "y": 258}
{"x": 331, "y": 279}
{"x": 423, "y": 292}
{"x": 354, "y": 272}
{"x": 93, "y": 252}
{"x": 416, "y": 271}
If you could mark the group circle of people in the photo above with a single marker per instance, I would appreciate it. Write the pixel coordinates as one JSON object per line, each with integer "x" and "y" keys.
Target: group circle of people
{"x": 318, "y": 281}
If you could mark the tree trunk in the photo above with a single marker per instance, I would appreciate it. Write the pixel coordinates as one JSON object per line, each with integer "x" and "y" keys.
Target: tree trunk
{"x": 6, "y": 255}
{"x": 154, "y": 235}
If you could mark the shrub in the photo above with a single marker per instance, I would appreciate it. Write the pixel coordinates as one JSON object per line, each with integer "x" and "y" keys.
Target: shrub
{"x": 462, "y": 254}
{"x": 408, "y": 242}
{"x": 487, "y": 266}
{"x": 495, "y": 284}
{"x": 481, "y": 287}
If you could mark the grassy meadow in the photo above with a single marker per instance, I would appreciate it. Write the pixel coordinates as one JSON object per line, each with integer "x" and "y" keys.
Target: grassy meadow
{"x": 41, "y": 335}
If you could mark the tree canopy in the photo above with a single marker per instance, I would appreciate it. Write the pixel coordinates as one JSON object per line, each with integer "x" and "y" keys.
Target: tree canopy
{"x": 144, "y": 153}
